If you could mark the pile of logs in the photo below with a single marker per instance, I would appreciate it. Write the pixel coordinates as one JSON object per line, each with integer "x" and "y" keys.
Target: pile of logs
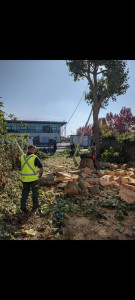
{"x": 87, "y": 180}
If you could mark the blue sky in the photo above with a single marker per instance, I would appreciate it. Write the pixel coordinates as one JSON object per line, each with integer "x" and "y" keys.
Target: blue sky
{"x": 43, "y": 89}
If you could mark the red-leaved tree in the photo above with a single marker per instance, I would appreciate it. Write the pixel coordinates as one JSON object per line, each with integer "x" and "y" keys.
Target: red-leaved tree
{"x": 88, "y": 130}
{"x": 102, "y": 121}
{"x": 124, "y": 122}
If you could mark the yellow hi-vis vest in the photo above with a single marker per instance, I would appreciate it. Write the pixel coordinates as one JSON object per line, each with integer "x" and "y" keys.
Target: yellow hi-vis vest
{"x": 28, "y": 169}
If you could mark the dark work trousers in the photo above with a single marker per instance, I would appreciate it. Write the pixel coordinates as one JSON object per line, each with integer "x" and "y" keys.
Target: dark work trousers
{"x": 25, "y": 193}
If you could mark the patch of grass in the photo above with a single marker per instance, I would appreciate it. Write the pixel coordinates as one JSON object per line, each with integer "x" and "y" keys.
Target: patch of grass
{"x": 110, "y": 203}
{"x": 119, "y": 227}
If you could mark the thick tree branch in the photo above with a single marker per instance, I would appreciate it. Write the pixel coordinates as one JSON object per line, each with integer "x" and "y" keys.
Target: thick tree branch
{"x": 101, "y": 72}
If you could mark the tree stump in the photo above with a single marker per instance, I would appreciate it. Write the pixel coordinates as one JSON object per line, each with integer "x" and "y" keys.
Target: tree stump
{"x": 86, "y": 161}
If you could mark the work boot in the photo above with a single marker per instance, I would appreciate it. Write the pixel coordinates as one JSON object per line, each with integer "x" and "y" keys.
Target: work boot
{"x": 35, "y": 206}
{"x": 25, "y": 210}
{"x": 36, "y": 209}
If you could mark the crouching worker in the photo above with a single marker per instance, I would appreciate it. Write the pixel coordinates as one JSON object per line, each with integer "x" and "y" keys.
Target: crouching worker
{"x": 30, "y": 165}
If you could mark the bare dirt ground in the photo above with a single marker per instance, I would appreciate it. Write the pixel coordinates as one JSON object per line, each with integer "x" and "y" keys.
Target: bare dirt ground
{"x": 86, "y": 228}
{"x": 101, "y": 224}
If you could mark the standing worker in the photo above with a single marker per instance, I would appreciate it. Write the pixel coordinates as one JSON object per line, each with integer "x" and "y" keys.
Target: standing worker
{"x": 93, "y": 152}
{"x": 30, "y": 165}
{"x": 72, "y": 148}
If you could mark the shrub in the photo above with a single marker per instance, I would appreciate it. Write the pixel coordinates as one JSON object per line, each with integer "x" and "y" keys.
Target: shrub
{"x": 121, "y": 144}
{"x": 42, "y": 154}
{"x": 110, "y": 156}
{"x": 9, "y": 150}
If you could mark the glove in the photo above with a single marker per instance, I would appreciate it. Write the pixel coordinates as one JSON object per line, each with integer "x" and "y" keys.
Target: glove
{"x": 40, "y": 175}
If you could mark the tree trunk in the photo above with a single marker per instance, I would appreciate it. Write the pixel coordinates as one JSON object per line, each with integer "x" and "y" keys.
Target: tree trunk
{"x": 96, "y": 128}
{"x": 95, "y": 114}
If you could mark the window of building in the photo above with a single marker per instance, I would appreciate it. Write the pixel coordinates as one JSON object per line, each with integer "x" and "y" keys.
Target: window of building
{"x": 33, "y": 128}
{"x": 39, "y": 128}
{"x": 46, "y": 128}
{"x": 11, "y": 127}
{"x": 55, "y": 128}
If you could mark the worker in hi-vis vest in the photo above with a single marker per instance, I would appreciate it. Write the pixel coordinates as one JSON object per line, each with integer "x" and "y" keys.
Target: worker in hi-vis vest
{"x": 30, "y": 165}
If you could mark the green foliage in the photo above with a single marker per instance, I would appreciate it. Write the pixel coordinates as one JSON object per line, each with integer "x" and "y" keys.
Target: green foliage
{"x": 110, "y": 155}
{"x": 7, "y": 230}
{"x": 107, "y": 79}
{"x": 79, "y": 149}
{"x": 87, "y": 151}
{"x": 105, "y": 133}
{"x": 9, "y": 150}
{"x": 68, "y": 152}
{"x": 122, "y": 210}
{"x": 65, "y": 152}
{"x": 120, "y": 143}
{"x": 2, "y": 121}
{"x": 41, "y": 154}
{"x": 110, "y": 203}
{"x": 124, "y": 137}
{"x": 113, "y": 79}
{"x": 8, "y": 147}
{"x": 119, "y": 227}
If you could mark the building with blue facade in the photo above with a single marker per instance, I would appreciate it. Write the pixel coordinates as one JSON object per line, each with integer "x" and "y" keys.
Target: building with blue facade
{"x": 42, "y": 132}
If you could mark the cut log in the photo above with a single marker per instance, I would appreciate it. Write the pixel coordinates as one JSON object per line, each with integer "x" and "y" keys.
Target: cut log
{"x": 71, "y": 188}
{"x": 127, "y": 195}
